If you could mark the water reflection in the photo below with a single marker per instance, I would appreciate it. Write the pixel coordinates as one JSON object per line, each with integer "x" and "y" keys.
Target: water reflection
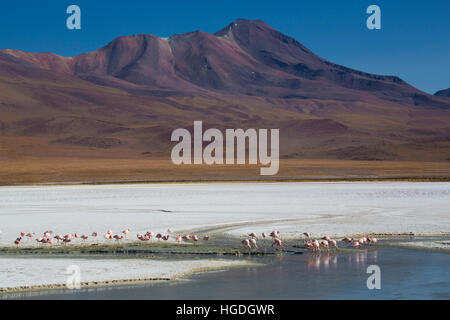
{"x": 329, "y": 260}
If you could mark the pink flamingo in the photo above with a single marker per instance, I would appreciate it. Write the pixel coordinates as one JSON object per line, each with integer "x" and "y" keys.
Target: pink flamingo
{"x": 169, "y": 231}
{"x": 347, "y": 240}
{"x": 357, "y": 244}
{"x": 327, "y": 238}
{"x": 17, "y": 241}
{"x": 178, "y": 238}
{"x": 246, "y": 243}
{"x": 84, "y": 237}
{"x": 118, "y": 237}
{"x": 186, "y": 237}
{"x": 253, "y": 242}
{"x": 309, "y": 245}
{"x": 372, "y": 240}
{"x": 277, "y": 242}
{"x": 264, "y": 235}
{"x": 166, "y": 237}
{"x": 324, "y": 244}
{"x": 253, "y": 235}
{"x": 316, "y": 245}
{"x": 306, "y": 234}
{"x": 159, "y": 236}
{"x": 94, "y": 234}
{"x": 333, "y": 243}
{"x": 195, "y": 238}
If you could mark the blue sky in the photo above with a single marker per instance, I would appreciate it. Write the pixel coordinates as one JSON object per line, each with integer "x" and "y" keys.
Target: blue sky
{"x": 413, "y": 43}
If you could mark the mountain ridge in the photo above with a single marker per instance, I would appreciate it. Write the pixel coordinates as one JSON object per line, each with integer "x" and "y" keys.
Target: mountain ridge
{"x": 125, "y": 99}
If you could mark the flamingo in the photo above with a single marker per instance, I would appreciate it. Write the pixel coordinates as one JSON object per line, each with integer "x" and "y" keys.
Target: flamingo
{"x": 205, "y": 238}
{"x": 166, "y": 237}
{"x": 253, "y": 235}
{"x": 94, "y": 234}
{"x": 264, "y": 235}
{"x": 84, "y": 237}
{"x": 372, "y": 240}
{"x": 186, "y": 237}
{"x": 306, "y": 234}
{"x": 316, "y": 245}
{"x": 246, "y": 243}
{"x": 277, "y": 242}
{"x": 178, "y": 238}
{"x": 347, "y": 240}
{"x": 253, "y": 242}
{"x": 309, "y": 245}
{"x": 22, "y": 234}
{"x": 334, "y": 243}
{"x": 169, "y": 231}
{"x": 118, "y": 237}
{"x": 324, "y": 244}
{"x": 195, "y": 238}
{"x": 159, "y": 236}
{"x": 356, "y": 244}
{"x": 17, "y": 241}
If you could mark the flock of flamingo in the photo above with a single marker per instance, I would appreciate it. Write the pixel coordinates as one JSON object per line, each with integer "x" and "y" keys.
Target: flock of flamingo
{"x": 325, "y": 242}
{"x": 49, "y": 238}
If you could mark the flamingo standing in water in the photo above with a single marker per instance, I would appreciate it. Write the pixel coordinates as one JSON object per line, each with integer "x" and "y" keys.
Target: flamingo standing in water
{"x": 264, "y": 235}
{"x": 253, "y": 235}
{"x": 178, "y": 238}
{"x": 94, "y": 234}
{"x": 372, "y": 240}
{"x": 324, "y": 244}
{"x": 316, "y": 245}
{"x": 159, "y": 236}
{"x": 195, "y": 238}
{"x": 333, "y": 243}
{"x": 307, "y": 235}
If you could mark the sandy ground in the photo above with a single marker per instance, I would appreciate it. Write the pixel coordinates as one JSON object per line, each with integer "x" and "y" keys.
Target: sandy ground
{"x": 26, "y": 272}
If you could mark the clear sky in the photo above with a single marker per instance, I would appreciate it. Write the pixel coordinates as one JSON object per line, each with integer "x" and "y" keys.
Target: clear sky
{"x": 414, "y": 42}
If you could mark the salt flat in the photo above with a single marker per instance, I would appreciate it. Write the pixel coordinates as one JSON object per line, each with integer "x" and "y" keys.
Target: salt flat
{"x": 334, "y": 208}
{"x": 26, "y": 272}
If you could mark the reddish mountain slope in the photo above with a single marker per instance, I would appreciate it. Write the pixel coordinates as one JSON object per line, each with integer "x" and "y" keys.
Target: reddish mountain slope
{"x": 124, "y": 99}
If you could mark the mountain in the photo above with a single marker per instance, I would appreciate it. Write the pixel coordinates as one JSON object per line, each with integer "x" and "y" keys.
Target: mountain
{"x": 124, "y": 100}
{"x": 443, "y": 93}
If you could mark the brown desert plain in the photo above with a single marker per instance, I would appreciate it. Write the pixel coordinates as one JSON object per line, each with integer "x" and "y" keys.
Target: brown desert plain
{"x": 107, "y": 115}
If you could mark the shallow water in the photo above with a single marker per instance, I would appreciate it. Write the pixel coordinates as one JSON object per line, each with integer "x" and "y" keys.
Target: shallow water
{"x": 405, "y": 274}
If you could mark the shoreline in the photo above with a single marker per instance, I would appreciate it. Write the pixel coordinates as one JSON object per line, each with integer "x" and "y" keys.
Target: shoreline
{"x": 118, "y": 282}
{"x": 265, "y": 180}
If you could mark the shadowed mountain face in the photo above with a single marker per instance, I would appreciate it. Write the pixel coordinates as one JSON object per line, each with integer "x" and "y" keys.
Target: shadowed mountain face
{"x": 127, "y": 97}
{"x": 443, "y": 93}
